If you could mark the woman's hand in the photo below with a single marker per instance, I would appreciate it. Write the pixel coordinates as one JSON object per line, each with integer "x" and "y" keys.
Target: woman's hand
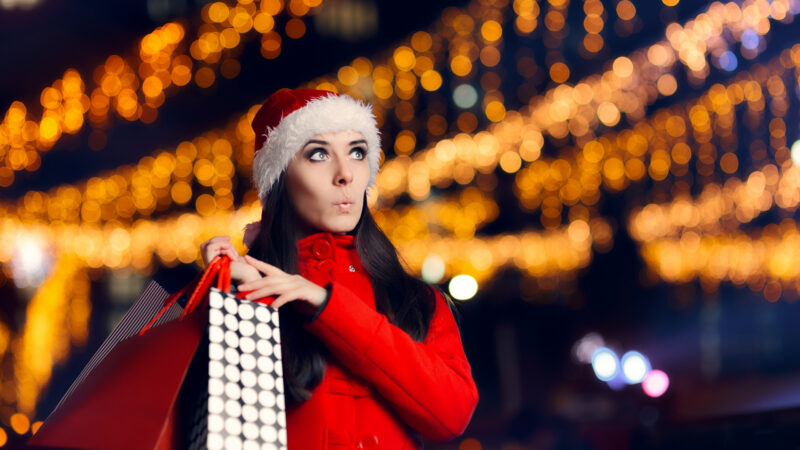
{"x": 218, "y": 245}
{"x": 221, "y": 245}
{"x": 286, "y": 287}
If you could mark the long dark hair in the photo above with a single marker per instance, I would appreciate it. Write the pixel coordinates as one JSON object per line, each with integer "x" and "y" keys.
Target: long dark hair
{"x": 406, "y": 301}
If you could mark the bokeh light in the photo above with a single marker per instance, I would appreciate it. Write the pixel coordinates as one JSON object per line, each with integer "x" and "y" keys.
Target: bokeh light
{"x": 635, "y": 367}
{"x": 605, "y": 364}
{"x": 655, "y": 384}
{"x": 463, "y": 287}
{"x": 465, "y": 96}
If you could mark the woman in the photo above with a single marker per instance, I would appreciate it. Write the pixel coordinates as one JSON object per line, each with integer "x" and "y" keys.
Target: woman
{"x": 372, "y": 356}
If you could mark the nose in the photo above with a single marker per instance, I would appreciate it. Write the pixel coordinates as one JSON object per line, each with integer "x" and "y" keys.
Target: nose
{"x": 343, "y": 175}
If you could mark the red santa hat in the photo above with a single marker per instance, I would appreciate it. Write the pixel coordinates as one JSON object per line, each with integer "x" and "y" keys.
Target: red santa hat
{"x": 290, "y": 118}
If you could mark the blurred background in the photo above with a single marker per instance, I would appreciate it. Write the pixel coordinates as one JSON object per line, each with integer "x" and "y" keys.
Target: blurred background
{"x": 608, "y": 187}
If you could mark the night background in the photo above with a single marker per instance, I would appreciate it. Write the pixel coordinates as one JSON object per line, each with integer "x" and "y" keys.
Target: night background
{"x": 613, "y": 176}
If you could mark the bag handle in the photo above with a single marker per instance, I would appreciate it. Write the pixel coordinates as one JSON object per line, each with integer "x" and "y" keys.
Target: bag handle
{"x": 220, "y": 266}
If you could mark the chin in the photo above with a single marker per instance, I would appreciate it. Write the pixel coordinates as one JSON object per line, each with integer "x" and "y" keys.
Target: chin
{"x": 340, "y": 226}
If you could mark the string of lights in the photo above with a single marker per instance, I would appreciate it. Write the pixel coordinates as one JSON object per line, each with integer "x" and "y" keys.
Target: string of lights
{"x": 563, "y": 111}
{"x": 393, "y": 85}
{"x": 208, "y": 161}
{"x": 764, "y": 260}
{"x": 720, "y": 208}
{"x": 57, "y": 320}
{"x": 135, "y": 85}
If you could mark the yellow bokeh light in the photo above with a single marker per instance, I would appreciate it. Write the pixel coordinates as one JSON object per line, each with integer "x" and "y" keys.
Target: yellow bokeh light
{"x": 263, "y": 22}
{"x": 181, "y": 75}
{"x": 510, "y": 162}
{"x": 670, "y": 2}
{"x": 152, "y": 86}
{"x": 593, "y": 42}
{"x": 559, "y": 72}
{"x": 204, "y": 77}
{"x": 593, "y": 24}
{"x": 20, "y": 423}
{"x": 623, "y": 67}
{"x": 470, "y": 444}
{"x": 666, "y": 84}
{"x": 348, "y": 75}
{"x": 490, "y": 56}
{"x": 608, "y": 113}
{"x": 421, "y": 41}
{"x": 495, "y": 111}
{"x": 729, "y": 163}
{"x": 229, "y": 38}
{"x": 181, "y": 192}
{"x": 626, "y": 10}
{"x": 461, "y": 65}
{"x": 218, "y": 12}
{"x": 404, "y": 58}
{"x": 48, "y": 128}
{"x": 431, "y": 80}
{"x": 405, "y": 142}
{"x": 491, "y": 30}
{"x": 295, "y": 28}
{"x": 205, "y": 204}
{"x": 242, "y": 21}
{"x": 272, "y": 7}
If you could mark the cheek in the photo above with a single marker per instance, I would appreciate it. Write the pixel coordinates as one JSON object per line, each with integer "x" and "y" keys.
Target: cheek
{"x": 303, "y": 192}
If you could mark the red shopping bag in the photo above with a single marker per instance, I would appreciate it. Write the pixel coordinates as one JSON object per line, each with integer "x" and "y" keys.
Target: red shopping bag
{"x": 128, "y": 400}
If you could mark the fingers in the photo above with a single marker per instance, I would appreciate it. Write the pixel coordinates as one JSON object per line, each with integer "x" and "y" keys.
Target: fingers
{"x": 285, "y": 298}
{"x": 291, "y": 290}
{"x": 266, "y": 269}
{"x": 243, "y": 272}
{"x": 280, "y": 301}
{"x": 218, "y": 245}
{"x": 263, "y": 287}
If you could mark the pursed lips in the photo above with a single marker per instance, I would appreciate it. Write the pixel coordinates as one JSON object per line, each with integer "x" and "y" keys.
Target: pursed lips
{"x": 344, "y": 205}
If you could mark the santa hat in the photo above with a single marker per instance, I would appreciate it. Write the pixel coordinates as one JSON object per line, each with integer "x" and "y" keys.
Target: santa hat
{"x": 290, "y": 118}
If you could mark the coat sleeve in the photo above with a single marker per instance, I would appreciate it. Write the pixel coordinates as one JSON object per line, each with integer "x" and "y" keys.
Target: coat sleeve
{"x": 429, "y": 384}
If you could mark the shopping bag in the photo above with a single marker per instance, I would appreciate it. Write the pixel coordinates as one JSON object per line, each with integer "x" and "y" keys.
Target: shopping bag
{"x": 140, "y": 313}
{"x": 127, "y": 399}
{"x": 245, "y": 389}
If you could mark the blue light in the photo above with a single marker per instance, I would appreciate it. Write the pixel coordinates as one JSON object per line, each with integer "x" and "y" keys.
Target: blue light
{"x": 749, "y": 39}
{"x": 728, "y": 61}
{"x": 605, "y": 364}
{"x": 465, "y": 96}
{"x": 635, "y": 367}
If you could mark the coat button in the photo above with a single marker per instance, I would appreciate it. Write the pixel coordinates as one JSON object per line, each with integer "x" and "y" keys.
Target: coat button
{"x": 325, "y": 265}
{"x": 366, "y": 441}
{"x": 321, "y": 249}
{"x": 352, "y": 268}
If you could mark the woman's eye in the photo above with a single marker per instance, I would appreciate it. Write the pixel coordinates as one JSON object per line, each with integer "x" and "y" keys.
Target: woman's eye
{"x": 360, "y": 151}
{"x": 317, "y": 154}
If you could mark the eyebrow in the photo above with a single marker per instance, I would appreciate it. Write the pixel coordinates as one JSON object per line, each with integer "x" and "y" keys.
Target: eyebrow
{"x": 317, "y": 141}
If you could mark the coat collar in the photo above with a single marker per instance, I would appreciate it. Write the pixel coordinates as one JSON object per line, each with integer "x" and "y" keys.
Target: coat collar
{"x": 334, "y": 239}
{"x": 327, "y": 252}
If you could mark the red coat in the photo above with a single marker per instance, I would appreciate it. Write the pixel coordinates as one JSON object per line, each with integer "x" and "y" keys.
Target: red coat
{"x": 381, "y": 389}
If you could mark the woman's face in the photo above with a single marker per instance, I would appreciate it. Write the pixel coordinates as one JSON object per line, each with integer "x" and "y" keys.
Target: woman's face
{"x": 326, "y": 182}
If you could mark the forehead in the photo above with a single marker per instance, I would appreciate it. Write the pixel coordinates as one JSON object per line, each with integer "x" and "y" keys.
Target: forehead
{"x": 339, "y": 136}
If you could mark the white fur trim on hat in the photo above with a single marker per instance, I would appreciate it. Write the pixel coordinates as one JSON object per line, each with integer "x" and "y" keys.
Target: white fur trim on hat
{"x": 320, "y": 115}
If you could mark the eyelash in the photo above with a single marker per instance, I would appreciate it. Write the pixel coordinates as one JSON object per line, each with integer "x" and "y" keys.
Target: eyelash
{"x": 321, "y": 150}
